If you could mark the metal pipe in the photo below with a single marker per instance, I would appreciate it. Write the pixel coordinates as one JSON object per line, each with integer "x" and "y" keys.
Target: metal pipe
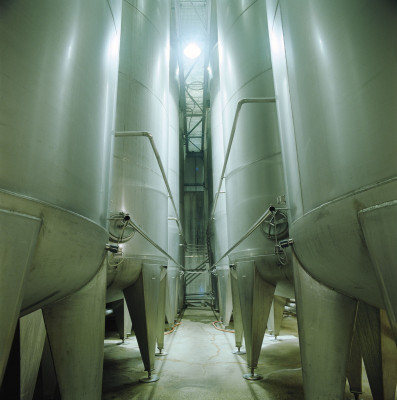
{"x": 232, "y": 133}
{"x": 157, "y": 155}
{"x": 255, "y": 226}
{"x": 146, "y": 237}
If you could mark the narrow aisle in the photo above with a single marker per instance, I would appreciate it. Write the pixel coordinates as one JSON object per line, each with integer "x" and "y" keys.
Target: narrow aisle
{"x": 200, "y": 365}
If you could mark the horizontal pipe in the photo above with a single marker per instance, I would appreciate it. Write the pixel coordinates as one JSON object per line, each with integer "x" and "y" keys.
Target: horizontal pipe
{"x": 158, "y": 247}
{"x": 148, "y": 135}
{"x": 195, "y": 272}
{"x": 258, "y": 100}
{"x": 255, "y": 226}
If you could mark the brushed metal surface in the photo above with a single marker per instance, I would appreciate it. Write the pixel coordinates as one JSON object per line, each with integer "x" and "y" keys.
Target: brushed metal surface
{"x": 335, "y": 78}
{"x": 225, "y": 293}
{"x": 66, "y": 242}
{"x": 32, "y": 339}
{"x": 171, "y": 306}
{"x": 142, "y": 105}
{"x": 142, "y": 299}
{"x": 380, "y": 233}
{"x": 355, "y": 366}
{"x": 78, "y": 355}
{"x": 58, "y": 85}
{"x": 237, "y": 317}
{"x": 378, "y": 350}
{"x": 174, "y": 239}
{"x": 122, "y": 317}
{"x": 58, "y": 82}
{"x": 15, "y": 263}
{"x": 325, "y": 348}
{"x": 276, "y": 315}
{"x": 218, "y": 226}
{"x": 160, "y": 328}
{"x": 254, "y": 176}
{"x": 343, "y": 100}
{"x": 256, "y": 297}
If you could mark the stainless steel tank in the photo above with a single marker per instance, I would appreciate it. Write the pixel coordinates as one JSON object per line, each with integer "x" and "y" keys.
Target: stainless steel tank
{"x": 254, "y": 176}
{"x": 336, "y": 83}
{"x": 138, "y": 190}
{"x": 58, "y": 82}
{"x": 218, "y": 226}
{"x": 175, "y": 240}
{"x": 142, "y": 105}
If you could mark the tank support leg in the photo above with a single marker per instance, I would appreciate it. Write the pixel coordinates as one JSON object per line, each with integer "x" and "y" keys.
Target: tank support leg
{"x": 171, "y": 295}
{"x": 24, "y": 363}
{"x": 150, "y": 378}
{"x": 24, "y": 230}
{"x": 32, "y": 335}
{"x": 252, "y": 376}
{"x": 354, "y": 367}
{"x": 380, "y": 233}
{"x": 123, "y": 319}
{"x": 237, "y": 318}
{"x": 75, "y": 329}
{"x": 225, "y": 293}
{"x": 161, "y": 314}
{"x": 276, "y": 315}
{"x": 142, "y": 300}
{"x": 325, "y": 323}
{"x": 256, "y": 296}
{"x": 48, "y": 383}
{"x": 378, "y": 349}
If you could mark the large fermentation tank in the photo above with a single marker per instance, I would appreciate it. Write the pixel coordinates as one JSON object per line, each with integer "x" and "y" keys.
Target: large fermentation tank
{"x": 58, "y": 93}
{"x": 254, "y": 175}
{"x": 138, "y": 191}
{"x": 58, "y": 83}
{"x": 335, "y": 69}
{"x": 138, "y": 187}
{"x": 340, "y": 157}
{"x": 175, "y": 240}
{"x": 218, "y": 227}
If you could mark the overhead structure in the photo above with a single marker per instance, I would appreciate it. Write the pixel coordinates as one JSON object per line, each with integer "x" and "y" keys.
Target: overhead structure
{"x": 192, "y": 22}
{"x": 58, "y": 84}
{"x": 193, "y": 33}
{"x": 336, "y": 85}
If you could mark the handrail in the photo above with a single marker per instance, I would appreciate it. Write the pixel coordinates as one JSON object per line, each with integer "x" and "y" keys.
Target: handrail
{"x": 157, "y": 155}
{"x": 232, "y": 133}
{"x": 255, "y": 226}
{"x": 158, "y": 247}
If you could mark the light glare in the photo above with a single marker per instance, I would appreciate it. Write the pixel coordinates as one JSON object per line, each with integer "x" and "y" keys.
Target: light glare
{"x": 192, "y": 51}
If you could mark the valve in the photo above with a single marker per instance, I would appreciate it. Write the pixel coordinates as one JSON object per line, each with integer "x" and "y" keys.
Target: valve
{"x": 286, "y": 243}
{"x": 112, "y": 248}
{"x": 120, "y": 229}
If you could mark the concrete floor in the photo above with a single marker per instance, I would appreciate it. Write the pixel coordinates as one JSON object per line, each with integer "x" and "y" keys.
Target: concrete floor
{"x": 200, "y": 365}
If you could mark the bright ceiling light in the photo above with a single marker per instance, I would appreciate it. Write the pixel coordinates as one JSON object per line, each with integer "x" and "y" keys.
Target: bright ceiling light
{"x": 192, "y": 51}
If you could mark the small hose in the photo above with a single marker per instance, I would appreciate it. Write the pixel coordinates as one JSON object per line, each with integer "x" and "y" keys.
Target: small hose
{"x": 220, "y": 329}
{"x": 173, "y": 328}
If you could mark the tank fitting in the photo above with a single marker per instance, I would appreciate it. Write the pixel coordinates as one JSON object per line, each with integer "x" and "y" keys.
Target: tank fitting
{"x": 113, "y": 248}
{"x": 286, "y": 243}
